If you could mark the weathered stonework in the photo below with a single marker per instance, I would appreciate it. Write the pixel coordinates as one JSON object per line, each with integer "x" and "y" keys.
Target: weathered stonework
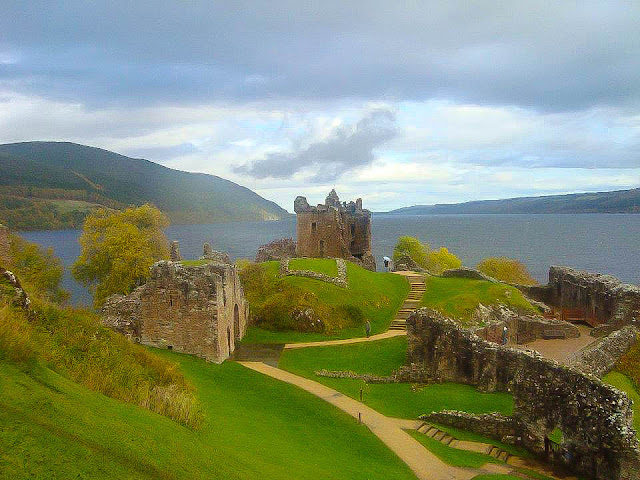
{"x": 199, "y": 310}
{"x": 11, "y": 290}
{"x": 4, "y": 246}
{"x": 596, "y": 419}
{"x": 174, "y": 251}
{"x": 600, "y": 357}
{"x": 520, "y": 328}
{"x": 335, "y": 229}
{"x": 277, "y": 250}
{"x": 470, "y": 273}
{"x": 603, "y": 298}
{"x": 340, "y": 280}
{"x": 214, "y": 255}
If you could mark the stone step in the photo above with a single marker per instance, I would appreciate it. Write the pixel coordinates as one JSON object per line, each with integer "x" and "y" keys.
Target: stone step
{"x": 439, "y": 436}
{"x": 446, "y": 439}
{"x": 397, "y": 327}
{"x": 503, "y": 456}
{"x": 432, "y": 431}
{"x": 424, "y": 428}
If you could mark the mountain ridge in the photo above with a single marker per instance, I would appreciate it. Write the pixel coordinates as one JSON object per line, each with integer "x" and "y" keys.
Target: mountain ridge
{"x": 36, "y": 176}
{"x": 617, "y": 201}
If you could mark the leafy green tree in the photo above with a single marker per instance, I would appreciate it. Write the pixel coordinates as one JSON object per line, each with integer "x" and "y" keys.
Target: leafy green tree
{"x": 39, "y": 270}
{"x": 118, "y": 249}
{"x": 507, "y": 270}
{"x": 411, "y": 247}
{"x": 440, "y": 260}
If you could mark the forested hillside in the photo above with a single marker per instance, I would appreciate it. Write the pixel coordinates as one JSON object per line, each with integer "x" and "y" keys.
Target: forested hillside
{"x": 47, "y": 185}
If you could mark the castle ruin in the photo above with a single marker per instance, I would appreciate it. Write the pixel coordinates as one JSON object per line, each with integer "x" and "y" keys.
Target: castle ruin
{"x": 200, "y": 310}
{"x": 338, "y": 230}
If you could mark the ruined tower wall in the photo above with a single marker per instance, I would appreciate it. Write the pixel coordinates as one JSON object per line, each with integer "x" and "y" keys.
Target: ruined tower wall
{"x": 601, "y": 296}
{"x": 4, "y": 245}
{"x": 179, "y": 310}
{"x": 320, "y": 234}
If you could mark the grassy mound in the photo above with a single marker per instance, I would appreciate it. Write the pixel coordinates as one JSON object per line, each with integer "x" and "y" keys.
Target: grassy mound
{"x": 370, "y": 296}
{"x": 74, "y": 343}
{"x": 459, "y": 297}
{"x": 399, "y": 400}
{"x": 326, "y": 266}
{"x": 255, "y": 428}
{"x": 624, "y": 383}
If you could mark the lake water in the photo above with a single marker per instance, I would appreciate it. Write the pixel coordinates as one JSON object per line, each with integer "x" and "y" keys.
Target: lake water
{"x": 596, "y": 242}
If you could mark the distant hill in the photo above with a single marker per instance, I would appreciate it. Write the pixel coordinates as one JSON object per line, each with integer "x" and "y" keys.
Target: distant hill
{"x": 46, "y": 185}
{"x": 621, "y": 201}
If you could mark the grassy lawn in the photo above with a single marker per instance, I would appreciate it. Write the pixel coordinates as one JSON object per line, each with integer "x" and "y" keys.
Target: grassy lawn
{"x": 327, "y": 266}
{"x": 624, "y": 383}
{"x": 396, "y": 399}
{"x": 379, "y": 295}
{"x": 194, "y": 263}
{"x": 255, "y": 428}
{"x": 453, "y": 456}
{"x": 459, "y": 297}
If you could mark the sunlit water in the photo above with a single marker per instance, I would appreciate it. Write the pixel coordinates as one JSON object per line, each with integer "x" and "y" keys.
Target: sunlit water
{"x": 594, "y": 242}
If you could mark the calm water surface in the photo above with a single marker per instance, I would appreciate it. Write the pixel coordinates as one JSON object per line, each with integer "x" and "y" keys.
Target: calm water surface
{"x": 595, "y": 242}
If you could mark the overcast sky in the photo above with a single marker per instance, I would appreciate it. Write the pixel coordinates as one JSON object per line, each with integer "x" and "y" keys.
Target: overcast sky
{"x": 400, "y": 103}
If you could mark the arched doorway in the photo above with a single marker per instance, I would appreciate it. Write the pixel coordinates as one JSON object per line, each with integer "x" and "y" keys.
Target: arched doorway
{"x": 236, "y": 322}
{"x": 229, "y": 340}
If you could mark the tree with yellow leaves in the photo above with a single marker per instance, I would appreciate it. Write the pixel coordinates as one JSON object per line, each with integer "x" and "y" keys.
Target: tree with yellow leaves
{"x": 118, "y": 248}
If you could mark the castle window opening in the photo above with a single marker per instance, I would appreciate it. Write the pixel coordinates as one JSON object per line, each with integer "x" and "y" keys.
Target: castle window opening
{"x": 353, "y": 229}
{"x": 314, "y": 227}
{"x": 169, "y": 347}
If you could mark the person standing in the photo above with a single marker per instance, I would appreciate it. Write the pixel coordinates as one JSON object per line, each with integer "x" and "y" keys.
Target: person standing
{"x": 367, "y": 328}
{"x": 504, "y": 335}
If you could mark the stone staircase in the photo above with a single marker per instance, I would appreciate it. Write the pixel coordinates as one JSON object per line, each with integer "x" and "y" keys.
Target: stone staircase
{"x": 418, "y": 287}
{"x": 493, "y": 451}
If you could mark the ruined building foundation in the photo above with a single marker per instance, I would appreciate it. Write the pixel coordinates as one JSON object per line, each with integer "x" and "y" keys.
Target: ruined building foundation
{"x": 199, "y": 310}
{"x": 338, "y": 230}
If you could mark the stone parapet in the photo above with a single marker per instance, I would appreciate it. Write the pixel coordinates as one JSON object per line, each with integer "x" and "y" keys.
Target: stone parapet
{"x": 600, "y": 357}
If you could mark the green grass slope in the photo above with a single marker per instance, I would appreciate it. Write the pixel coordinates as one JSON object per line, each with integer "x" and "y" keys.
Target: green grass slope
{"x": 399, "y": 400}
{"x": 459, "y": 297}
{"x": 45, "y": 168}
{"x": 378, "y": 295}
{"x": 255, "y": 428}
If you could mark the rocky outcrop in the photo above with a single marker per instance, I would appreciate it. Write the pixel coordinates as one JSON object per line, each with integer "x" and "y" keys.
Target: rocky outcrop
{"x": 11, "y": 290}
{"x": 596, "y": 419}
{"x": 276, "y": 250}
{"x": 403, "y": 263}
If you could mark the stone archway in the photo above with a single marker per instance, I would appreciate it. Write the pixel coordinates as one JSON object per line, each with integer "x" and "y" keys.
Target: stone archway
{"x": 236, "y": 322}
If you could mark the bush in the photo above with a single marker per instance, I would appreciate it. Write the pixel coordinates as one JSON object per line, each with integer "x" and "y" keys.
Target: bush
{"x": 507, "y": 270}
{"x": 441, "y": 260}
{"x": 435, "y": 262}
{"x": 39, "y": 271}
{"x": 411, "y": 247}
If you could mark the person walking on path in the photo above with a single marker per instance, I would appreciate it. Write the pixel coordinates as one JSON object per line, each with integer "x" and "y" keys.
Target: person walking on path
{"x": 367, "y": 328}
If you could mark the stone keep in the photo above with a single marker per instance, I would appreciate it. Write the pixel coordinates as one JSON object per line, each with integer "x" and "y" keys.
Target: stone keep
{"x": 199, "y": 310}
{"x": 4, "y": 245}
{"x": 335, "y": 229}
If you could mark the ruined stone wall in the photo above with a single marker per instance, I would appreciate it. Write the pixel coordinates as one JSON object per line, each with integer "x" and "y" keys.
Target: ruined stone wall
{"x": 601, "y": 296}
{"x": 596, "y": 419}
{"x": 334, "y": 230}
{"x": 4, "y": 246}
{"x": 199, "y": 310}
{"x": 600, "y": 357}
{"x": 277, "y": 250}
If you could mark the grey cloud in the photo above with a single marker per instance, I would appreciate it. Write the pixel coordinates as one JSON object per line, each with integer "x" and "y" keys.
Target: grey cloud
{"x": 347, "y": 147}
{"x": 540, "y": 55}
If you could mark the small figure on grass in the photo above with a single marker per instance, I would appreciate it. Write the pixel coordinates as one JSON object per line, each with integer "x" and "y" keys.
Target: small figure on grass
{"x": 367, "y": 328}
{"x": 504, "y": 335}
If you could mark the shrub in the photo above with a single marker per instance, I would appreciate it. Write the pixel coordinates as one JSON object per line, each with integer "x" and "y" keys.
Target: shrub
{"x": 440, "y": 260}
{"x": 39, "y": 271}
{"x": 507, "y": 270}
{"x": 411, "y": 247}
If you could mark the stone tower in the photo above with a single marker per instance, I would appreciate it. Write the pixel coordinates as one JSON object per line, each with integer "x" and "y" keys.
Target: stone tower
{"x": 335, "y": 229}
